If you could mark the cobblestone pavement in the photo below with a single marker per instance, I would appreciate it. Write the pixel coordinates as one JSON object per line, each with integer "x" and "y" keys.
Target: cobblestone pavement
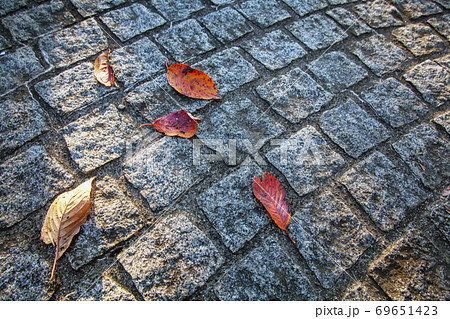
{"x": 346, "y": 102}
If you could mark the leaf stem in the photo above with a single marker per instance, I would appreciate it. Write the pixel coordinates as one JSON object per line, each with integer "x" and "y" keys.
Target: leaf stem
{"x": 290, "y": 236}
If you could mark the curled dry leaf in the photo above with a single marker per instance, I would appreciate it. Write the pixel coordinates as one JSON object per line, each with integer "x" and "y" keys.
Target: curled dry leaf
{"x": 103, "y": 71}
{"x": 191, "y": 82}
{"x": 179, "y": 123}
{"x": 64, "y": 218}
{"x": 272, "y": 195}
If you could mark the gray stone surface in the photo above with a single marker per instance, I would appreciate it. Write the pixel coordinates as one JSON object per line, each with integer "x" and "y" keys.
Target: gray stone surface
{"x": 444, "y": 3}
{"x": 4, "y": 43}
{"x": 294, "y": 95}
{"x": 414, "y": 9}
{"x": 412, "y": 269}
{"x": 98, "y": 137}
{"x": 269, "y": 273}
{"x": 303, "y": 7}
{"x": 27, "y": 182}
{"x": 72, "y": 89}
{"x": 221, "y": 2}
{"x": 306, "y": 160}
{"x": 337, "y": 71}
{"x": 18, "y": 67}
{"x": 226, "y": 24}
{"x": 177, "y": 10}
{"x": 73, "y": 44}
{"x": 185, "y": 40}
{"x": 363, "y": 291}
{"x": 438, "y": 213}
{"x": 317, "y": 31}
{"x": 394, "y": 102}
{"x": 21, "y": 120}
{"x": 426, "y": 154}
{"x": 113, "y": 219}
{"x": 329, "y": 236}
{"x": 7, "y": 6}
{"x": 419, "y": 39}
{"x": 348, "y": 21}
{"x": 131, "y": 21}
{"x": 444, "y": 61}
{"x": 34, "y": 22}
{"x": 112, "y": 291}
{"x": 384, "y": 191}
{"x": 443, "y": 119}
{"x": 91, "y": 7}
{"x": 232, "y": 209}
{"x": 379, "y": 14}
{"x": 442, "y": 25}
{"x": 380, "y": 55}
{"x": 432, "y": 80}
{"x": 262, "y": 12}
{"x": 171, "y": 261}
{"x": 275, "y": 49}
{"x": 352, "y": 128}
{"x": 334, "y": 2}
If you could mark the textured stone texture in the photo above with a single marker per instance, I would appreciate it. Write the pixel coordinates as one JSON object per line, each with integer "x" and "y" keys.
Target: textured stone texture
{"x": 432, "y": 80}
{"x": 302, "y": 7}
{"x": 317, "y": 31}
{"x": 337, "y": 71}
{"x": 382, "y": 190}
{"x": 39, "y": 20}
{"x": 352, "y": 128}
{"x": 442, "y": 25}
{"x": 91, "y": 7}
{"x": 226, "y": 25}
{"x": 348, "y": 21}
{"x": 270, "y": 274}
{"x": 171, "y": 261}
{"x": 423, "y": 147}
{"x": 419, "y": 39}
{"x": 7, "y": 6}
{"x": 232, "y": 209}
{"x": 185, "y": 40}
{"x": 4, "y": 43}
{"x": 294, "y": 95}
{"x": 113, "y": 220}
{"x": 72, "y": 89}
{"x": 97, "y": 138}
{"x": 306, "y": 160}
{"x": 275, "y": 50}
{"x": 412, "y": 269}
{"x": 414, "y": 9}
{"x": 20, "y": 196}
{"x": 379, "y": 55}
{"x": 329, "y": 236}
{"x": 438, "y": 213}
{"x": 73, "y": 44}
{"x": 443, "y": 119}
{"x": 131, "y": 21}
{"x": 444, "y": 61}
{"x": 262, "y": 12}
{"x": 394, "y": 102}
{"x": 444, "y": 3}
{"x": 112, "y": 291}
{"x": 21, "y": 120}
{"x": 18, "y": 67}
{"x": 379, "y": 14}
{"x": 363, "y": 291}
{"x": 175, "y": 9}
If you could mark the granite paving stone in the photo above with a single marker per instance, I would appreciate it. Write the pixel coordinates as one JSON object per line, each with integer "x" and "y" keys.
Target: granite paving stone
{"x": 384, "y": 191}
{"x": 42, "y": 19}
{"x": 348, "y": 21}
{"x": 352, "y": 128}
{"x": 131, "y": 21}
{"x": 380, "y": 55}
{"x": 114, "y": 219}
{"x": 90, "y": 7}
{"x": 419, "y": 39}
{"x": 294, "y": 95}
{"x": 98, "y": 137}
{"x": 261, "y": 12}
{"x": 19, "y": 196}
{"x": 21, "y": 120}
{"x": 335, "y": 2}
{"x": 329, "y": 236}
{"x": 4, "y": 43}
{"x": 7, "y": 6}
{"x": 275, "y": 49}
{"x": 232, "y": 209}
{"x": 394, "y": 102}
{"x": 174, "y": 10}
{"x": 378, "y": 14}
{"x": 222, "y": 2}
{"x": 438, "y": 213}
{"x": 18, "y": 67}
{"x": 444, "y": 3}
{"x": 442, "y": 25}
{"x": 172, "y": 261}
{"x": 432, "y": 80}
{"x": 185, "y": 40}
{"x": 303, "y": 7}
{"x": 306, "y": 160}
{"x": 269, "y": 274}
{"x": 443, "y": 119}
{"x": 414, "y": 9}
{"x": 444, "y": 61}
{"x": 337, "y": 71}
{"x": 317, "y": 31}
{"x": 226, "y": 25}
{"x": 412, "y": 269}
{"x": 426, "y": 154}
{"x": 112, "y": 291}
{"x": 73, "y": 44}
{"x": 363, "y": 291}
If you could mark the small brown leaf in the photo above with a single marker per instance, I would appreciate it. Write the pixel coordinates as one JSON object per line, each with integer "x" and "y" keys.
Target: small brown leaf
{"x": 191, "y": 82}
{"x": 446, "y": 192}
{"x": 179, "y": 123}
{"x": 103, "y": 71}
{"x": 64, "y": 218}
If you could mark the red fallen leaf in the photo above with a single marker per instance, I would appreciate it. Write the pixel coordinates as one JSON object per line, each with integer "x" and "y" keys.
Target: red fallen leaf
{"x": 191, "y": 82}
{"x": 103, "y": 71}
{"x": 272, "y": 195}
{"x": 179, "y": 123}
{"x": 446, "y": 192}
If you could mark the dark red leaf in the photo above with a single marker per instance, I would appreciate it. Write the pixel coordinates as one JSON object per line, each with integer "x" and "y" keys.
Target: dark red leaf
{"x": 179, "y": 123}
